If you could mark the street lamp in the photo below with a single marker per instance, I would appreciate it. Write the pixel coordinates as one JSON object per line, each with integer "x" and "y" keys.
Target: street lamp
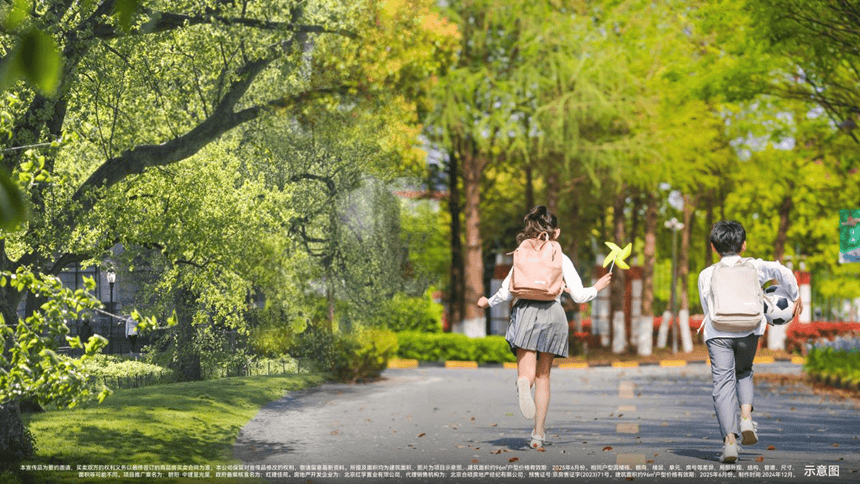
{"x": 111, "y": 278}
{"x": 674, "y": 226}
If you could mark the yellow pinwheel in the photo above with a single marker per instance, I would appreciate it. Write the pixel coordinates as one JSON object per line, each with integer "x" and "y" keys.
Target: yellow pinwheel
{"x": 617, "y": 255}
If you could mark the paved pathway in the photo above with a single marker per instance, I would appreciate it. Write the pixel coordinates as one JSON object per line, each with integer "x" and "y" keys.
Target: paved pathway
{"x": 437, "y": 425}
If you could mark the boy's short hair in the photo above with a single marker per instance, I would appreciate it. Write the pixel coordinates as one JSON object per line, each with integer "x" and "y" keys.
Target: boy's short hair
{"x": 728, "y": 237}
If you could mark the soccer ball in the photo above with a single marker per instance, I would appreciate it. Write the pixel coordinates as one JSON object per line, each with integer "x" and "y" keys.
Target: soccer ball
{"x": 778, "y": 305}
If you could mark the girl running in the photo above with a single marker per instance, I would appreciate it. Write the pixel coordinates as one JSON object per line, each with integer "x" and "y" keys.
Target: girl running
{"x": 539, "y": 330}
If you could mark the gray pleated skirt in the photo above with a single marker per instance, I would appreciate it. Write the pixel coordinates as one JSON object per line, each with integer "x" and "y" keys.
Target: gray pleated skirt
{"x": 539, "y": 326}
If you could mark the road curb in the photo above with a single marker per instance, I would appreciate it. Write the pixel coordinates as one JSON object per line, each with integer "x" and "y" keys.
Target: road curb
{"x": 411, "y": 364}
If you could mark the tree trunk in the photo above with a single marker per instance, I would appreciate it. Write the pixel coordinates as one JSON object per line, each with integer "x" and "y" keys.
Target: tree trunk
{"x": 782, "y": 233}
{"x": 473, "y": 165}
{"x": 187, "y": 365}
{"x": 709, "y": 221}
{"x": 552, "y": 188}
{"x": 15, "y": 443}
{"x": 635, "y": 223}
{"x": 618, "y": 282}
{"x": 684, "y": 258}
{"x": 650, "y": 254}
{"x": 456, "y": 298}
{"x": 530, "y": 189}
{"x": 572, "y": 247}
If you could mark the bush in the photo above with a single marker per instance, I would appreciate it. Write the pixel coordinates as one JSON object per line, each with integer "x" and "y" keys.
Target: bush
{"x": 450, "y": 346}
{"x": 119, "y": 372}
{"x": 315, "y": 345}
{"x": 405, "y": 313}
{"x": 352, "y": 357}
{"x": 363, "y": 354}
{"x": 824, "y": 361}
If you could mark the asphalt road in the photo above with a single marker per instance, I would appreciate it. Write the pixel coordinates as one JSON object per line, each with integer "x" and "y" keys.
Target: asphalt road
{"x": 647, "y": 424}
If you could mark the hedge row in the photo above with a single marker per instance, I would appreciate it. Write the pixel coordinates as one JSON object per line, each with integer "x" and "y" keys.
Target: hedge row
{"x": 452, "y": 346}
{"x": 836, "y": 363}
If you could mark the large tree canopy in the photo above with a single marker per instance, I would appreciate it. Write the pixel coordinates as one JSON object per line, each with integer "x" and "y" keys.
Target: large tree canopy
{"x": 183, "y": 75}
{"x": 142, "y": 130}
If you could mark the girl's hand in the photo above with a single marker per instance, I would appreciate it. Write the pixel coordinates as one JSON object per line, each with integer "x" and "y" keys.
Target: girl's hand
{"x": 603, "y": 282}
{"x": 483, "y": 303}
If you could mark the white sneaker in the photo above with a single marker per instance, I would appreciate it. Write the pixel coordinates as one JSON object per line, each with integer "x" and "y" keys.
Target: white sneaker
{"x": 527, "y": 404}
{"x": 730, "y": 453}
{"x": 537, "y": 442}
{"x": 748, "y": 431}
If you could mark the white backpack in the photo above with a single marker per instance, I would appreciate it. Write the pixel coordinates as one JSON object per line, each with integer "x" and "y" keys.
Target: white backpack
{"x": 736, "y": 303}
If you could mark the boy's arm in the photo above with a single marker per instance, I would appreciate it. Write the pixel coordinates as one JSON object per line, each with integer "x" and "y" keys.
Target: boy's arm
{"x": 772, "y": 270}
{"x": 703, "y": 297}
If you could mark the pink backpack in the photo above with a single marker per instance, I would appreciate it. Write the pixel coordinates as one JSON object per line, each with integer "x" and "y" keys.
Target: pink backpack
{"x": 537, "y": 272}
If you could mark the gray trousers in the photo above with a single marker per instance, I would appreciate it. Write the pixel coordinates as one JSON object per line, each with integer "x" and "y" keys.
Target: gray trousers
{"x": 731, "y": 370}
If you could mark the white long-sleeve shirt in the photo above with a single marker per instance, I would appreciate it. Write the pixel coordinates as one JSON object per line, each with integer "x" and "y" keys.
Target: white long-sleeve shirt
{"x": 767, "y": 270}
{"x": 578, "y": 292}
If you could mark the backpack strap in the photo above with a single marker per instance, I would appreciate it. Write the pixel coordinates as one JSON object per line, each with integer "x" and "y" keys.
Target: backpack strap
{"x": 702, "y": 324}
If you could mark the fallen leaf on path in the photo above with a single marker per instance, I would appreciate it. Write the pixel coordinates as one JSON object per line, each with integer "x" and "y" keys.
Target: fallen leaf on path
{"x": 494, "y": 425}
{"x": 474, "y": 461}
{"x": 513, "y": 459}
{"x": 498, "y": 451}
{"x": 472, "y": 419}
{"x": 649, "y": 461}
{"x": 759, "y": 459}
{"x": 541, "y": 449}
{"x": 835, "y": 445}
{"x": 422, "y": 434}
{"x": 607, "y": 448}
{"x": 770, "y": 447}
{"x": 459, "y": 446}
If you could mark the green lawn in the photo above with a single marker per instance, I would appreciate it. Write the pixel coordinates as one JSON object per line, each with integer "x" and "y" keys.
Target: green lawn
{"x": 192, "y": 423}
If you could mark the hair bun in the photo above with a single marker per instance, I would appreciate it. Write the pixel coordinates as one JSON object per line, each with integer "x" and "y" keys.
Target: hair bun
{"x": 536, "y": 213}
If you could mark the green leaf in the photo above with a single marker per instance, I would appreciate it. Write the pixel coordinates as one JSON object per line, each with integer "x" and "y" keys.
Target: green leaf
{"x": 38, "y": 60}
{"x": 172, "y": 320}
{"x": 104, "y": 393}
{"x": 13, "y": 211}
{"x": 17, "y": 14}
{"x": 123, "y": 11}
